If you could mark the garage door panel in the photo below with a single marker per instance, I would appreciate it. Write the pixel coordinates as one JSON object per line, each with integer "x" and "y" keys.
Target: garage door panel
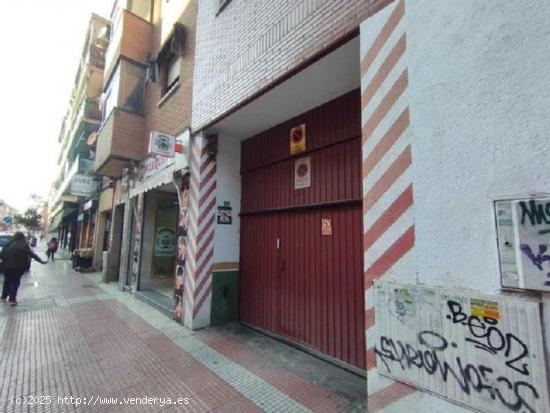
{"x": 258, "y": 285}
{"x": 335, "y": 176}
{"x": 310, "y": 289}
{"x": 320, "y": 279}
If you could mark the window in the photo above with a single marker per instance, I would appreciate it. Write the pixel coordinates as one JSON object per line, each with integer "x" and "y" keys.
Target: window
{"x": 172, "y": 73}
{"x": 165, "y": 66}
{"x": 142, "y": 8}
{"x": 125, "y": 89}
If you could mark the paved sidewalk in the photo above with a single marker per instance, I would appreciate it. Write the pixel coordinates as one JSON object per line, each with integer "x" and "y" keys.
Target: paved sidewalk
{"x": 72, "y": 335}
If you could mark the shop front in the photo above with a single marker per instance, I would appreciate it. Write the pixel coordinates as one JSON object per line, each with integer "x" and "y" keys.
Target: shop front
{"x": 152, "y": 229}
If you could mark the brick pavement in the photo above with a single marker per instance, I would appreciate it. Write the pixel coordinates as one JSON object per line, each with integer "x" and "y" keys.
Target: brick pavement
{"x": 74, "y": 336}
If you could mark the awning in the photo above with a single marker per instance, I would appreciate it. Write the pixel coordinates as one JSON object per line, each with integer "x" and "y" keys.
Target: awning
{"x": 159, "y": 179}
{"x": 56, "y": 221}
{"x": 155, "y": 170}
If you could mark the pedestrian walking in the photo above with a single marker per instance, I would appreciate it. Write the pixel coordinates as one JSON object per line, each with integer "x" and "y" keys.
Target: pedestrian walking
{"x": 16, "y": 260}
{"x": 53, "y": 244}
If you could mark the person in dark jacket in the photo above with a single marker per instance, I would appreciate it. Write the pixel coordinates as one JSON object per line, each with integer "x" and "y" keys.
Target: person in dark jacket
{"x": 16, "y": 259}
{"x": 52, "y": 248}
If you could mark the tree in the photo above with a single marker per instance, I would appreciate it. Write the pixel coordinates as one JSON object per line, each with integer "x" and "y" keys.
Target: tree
{"x": 30, "y": 219}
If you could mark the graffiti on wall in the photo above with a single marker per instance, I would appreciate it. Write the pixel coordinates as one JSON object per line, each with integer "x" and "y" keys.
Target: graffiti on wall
{"x": 484, "y": 352}
{"x": 182, "y": 249}
{"x": 532, "y": 230}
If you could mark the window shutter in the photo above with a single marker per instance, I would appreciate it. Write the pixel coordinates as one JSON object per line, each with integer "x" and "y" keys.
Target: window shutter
{"x": 177, "y": 45}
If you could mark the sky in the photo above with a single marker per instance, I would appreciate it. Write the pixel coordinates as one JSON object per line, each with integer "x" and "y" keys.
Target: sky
{"x": 41, "y": 42}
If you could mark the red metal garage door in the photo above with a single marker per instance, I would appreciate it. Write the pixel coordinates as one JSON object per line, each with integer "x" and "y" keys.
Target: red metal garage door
{"x": 296, "y": 281}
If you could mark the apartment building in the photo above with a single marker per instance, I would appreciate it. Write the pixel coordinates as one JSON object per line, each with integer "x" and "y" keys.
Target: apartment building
{"x": 357, "y": 190}
{"x": 72, "y": 200}
{"x": 147, "y": 94}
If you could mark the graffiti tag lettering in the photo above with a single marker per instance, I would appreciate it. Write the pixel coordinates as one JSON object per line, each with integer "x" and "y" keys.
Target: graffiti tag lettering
{"x": 536, "y": 212}
{"x": 537, "y": 259}
{"x": 488, "y": 337}
{"x": 429, "y": 356}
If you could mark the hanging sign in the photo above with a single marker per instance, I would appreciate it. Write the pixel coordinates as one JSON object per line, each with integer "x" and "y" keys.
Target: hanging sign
{"x": 83, "y": 185}
{"x": 162, "y": 144}
{"x": 298, "y": 139}
{"x": 302, "y": 173}
{"x": 326, "y": 226}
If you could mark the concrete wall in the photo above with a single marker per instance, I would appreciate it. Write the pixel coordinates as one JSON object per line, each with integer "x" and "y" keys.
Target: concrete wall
{"x": 228, "y": 162}
{"x": 478, "y": 95}
{"x": 249, "y": 45}
{"x": 480, "y": 125}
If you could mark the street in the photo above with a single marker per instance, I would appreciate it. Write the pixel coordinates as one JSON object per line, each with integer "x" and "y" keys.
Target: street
{"x": 76, "y": 344}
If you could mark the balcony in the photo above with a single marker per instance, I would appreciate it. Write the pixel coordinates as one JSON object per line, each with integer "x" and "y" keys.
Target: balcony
{"x": 131, "y": 37}
{"x": 82, "y": 121}
{"x": 121, "y": 139}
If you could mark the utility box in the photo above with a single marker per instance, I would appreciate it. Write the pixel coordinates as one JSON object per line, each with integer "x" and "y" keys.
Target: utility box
{"x": 523, "y": 238}
{"x": 225, "y": 297}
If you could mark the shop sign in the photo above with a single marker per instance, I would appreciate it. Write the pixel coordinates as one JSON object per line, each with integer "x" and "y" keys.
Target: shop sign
{"x": 302, "y": 173}
{"x": 162, "y": 144}
{"x": 154, "y": 164}
{"x": 87, "y": 205}
{"x": 326, "y": 226}
{"x": 83, "y": 185}
{"x": 298, "y": 139}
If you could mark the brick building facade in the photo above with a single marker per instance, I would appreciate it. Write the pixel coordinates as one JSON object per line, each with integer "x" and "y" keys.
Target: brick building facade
{"x": 247, "y": 47}
{"x": 172, "y": 114}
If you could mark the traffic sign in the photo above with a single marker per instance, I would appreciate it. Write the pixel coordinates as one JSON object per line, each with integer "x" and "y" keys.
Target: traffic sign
{"x": 8, "y": 220}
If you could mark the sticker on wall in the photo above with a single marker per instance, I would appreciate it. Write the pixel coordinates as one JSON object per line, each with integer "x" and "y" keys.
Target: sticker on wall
{"x": 484, "y": 309}
{"x": 326, "y": 226}
{"x": 302, "y": 173}
{"x": 298, "y": 139}
{"x": 224, "y": 214}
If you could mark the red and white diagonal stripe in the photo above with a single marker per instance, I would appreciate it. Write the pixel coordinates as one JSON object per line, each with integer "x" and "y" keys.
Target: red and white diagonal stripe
{"x": 200, "y": 252}
{"x": 387, "y": 181}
